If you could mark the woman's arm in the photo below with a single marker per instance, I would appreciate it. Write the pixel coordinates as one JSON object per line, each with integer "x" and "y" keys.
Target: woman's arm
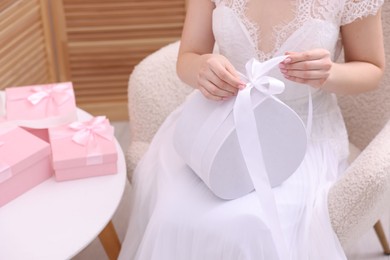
{"x": 211, "y": 73}
{"x": 364, "y": 61}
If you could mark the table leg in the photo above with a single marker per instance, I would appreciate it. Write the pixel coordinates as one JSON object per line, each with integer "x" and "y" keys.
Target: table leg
{"x": 382, "y": 237}
{"x": 110, "y": 241}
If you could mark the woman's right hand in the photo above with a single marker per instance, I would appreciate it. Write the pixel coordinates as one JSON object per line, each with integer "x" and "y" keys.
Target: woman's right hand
{"x": 217, "y": 78}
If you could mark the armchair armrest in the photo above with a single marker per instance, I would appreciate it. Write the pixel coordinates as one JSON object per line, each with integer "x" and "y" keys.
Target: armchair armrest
{"x": 154, "y": 91}
{"x": 358, "y": 199}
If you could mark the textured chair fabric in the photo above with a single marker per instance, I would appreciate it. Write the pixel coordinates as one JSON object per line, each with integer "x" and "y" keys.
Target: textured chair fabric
{"x": 154, "y": 92}
{"x": 356, "y": 201}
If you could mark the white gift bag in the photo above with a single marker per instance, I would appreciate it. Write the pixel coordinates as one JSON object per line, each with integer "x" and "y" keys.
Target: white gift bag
{"x": 230, "y": 143}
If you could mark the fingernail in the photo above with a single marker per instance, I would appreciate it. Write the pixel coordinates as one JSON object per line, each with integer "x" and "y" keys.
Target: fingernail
{"x": 283, "y": 71}
{"x": 242, "y": 86}
{"x": 282, "y": 66}
{"x": 287, "y": 60}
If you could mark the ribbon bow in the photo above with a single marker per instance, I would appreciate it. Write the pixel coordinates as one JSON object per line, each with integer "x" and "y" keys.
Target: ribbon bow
{"x": 59, "y": 93}
{"x": 246, "y": 129}
{"x": 87, "y": 134}
{"x": 88, "y": 131}
{"x": 256, "y": 76}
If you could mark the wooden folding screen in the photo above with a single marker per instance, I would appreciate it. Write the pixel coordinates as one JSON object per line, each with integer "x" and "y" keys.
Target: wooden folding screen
{"x": 26, "y": 56}
{"x": 94, "y": 43}
{"x": 99, "y": 42}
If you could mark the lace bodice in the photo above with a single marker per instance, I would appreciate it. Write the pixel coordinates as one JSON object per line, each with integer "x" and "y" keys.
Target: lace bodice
{"x": 269, "y": 30}
{"x": 244, "y": 29}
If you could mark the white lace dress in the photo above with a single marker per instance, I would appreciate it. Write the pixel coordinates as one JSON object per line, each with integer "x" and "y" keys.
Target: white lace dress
{"x": 175, "y": 217}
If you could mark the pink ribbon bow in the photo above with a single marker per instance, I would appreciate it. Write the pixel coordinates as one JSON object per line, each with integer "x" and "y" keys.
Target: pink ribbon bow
{"x": 87, "y": 134}
{"x": 57, "y": 93}
{"x": 87, "y": 131}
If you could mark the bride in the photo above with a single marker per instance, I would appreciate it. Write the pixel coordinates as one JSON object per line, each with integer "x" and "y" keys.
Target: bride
{"x": 174, "y": 215}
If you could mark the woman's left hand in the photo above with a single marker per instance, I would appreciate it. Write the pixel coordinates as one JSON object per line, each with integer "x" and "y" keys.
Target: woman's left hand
{"x": 311, "y": 67}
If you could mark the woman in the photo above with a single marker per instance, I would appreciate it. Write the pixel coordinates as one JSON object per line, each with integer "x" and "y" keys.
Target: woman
{"x": 174, "y": 215}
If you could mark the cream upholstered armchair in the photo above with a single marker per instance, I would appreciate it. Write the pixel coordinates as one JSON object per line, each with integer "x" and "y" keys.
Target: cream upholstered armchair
{"x": 356, "y": 201}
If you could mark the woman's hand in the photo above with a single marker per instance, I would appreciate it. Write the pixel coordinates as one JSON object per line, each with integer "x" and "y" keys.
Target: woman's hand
{"x": 211, "y": 73}
{"x": 311, "y": 67}
{"x": 217, "y": 78}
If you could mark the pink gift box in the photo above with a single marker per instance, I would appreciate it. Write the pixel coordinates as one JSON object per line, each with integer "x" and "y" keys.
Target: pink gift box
{"x": 83, "y": 149}
{"x": 39, "y": 107}
{"x": 25, "y": 162}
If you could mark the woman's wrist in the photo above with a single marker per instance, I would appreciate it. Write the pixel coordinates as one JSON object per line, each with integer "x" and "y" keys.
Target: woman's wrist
{"x": 353, "y": 78}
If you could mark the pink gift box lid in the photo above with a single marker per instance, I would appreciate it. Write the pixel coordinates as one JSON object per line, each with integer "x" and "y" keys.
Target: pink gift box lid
{"x": 69, "y": 154}
{"x": 19, "y": 150}
{"x": 41, "y": 106}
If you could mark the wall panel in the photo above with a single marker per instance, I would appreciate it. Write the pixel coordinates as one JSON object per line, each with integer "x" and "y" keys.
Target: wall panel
{"x": 26, "y": 55}
{"x": 99, "y": 42}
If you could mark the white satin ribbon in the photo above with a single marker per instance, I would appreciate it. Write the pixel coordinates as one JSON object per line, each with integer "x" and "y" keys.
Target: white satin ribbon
{"x": 246, "y": 129}
{"x": 87, "y": 134}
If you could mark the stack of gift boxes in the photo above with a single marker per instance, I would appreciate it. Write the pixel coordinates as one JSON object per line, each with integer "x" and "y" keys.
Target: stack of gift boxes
{"x": 40, "y": 136}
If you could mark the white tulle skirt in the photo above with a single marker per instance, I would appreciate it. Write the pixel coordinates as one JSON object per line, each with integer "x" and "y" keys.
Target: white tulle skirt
{"x": 175, "y": 217}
